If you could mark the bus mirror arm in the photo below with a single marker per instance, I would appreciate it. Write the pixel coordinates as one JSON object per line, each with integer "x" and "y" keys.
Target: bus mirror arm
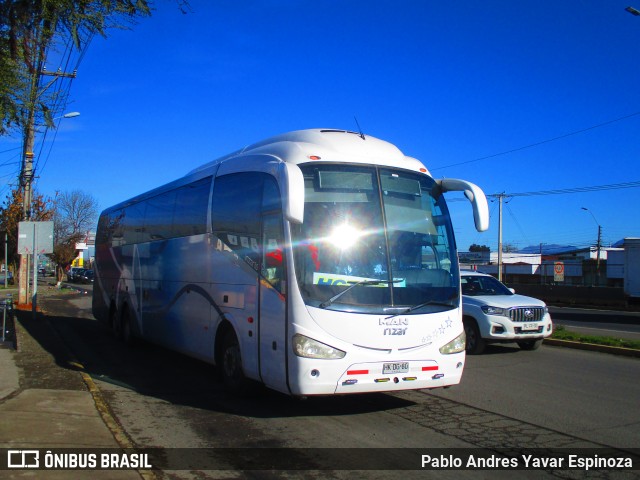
{"x": 294, "y": 195}
{"x": 474, "y": 194}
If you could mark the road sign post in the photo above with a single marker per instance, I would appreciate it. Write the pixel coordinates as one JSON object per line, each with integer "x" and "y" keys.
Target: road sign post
{"x": 35, "y": 238}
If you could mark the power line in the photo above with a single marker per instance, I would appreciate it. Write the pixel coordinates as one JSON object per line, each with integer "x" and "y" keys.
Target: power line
{"x": 595, "y": 188}
{"x": 562, "y": 191}
{"x": 540, "y": 143}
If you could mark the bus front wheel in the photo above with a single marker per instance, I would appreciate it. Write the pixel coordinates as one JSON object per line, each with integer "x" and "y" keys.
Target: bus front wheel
{"x": 232, "y": 374}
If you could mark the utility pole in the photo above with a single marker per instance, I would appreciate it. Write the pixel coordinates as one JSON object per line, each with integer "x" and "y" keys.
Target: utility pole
{"x": 500, "y": 197}
{"x": 27, "y": 174}
{"x": 598, "y": 246}
{"x": 541, "y": 267}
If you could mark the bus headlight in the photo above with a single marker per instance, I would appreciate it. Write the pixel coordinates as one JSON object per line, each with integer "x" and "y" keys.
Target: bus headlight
{"x": 456, "y": 345}
{"x": 310, "y": 348}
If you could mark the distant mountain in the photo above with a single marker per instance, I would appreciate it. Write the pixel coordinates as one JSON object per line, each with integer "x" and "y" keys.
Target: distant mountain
{"x": 550, "y": 249}
{"x": 554, "y": 249}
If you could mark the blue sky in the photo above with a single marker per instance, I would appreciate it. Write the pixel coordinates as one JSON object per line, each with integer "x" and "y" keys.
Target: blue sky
{"x": 463, "y": 86}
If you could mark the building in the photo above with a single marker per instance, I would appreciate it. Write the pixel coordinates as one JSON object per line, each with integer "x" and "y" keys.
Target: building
{"x": 86, "y": 251}
{"x": 550, "y": 264}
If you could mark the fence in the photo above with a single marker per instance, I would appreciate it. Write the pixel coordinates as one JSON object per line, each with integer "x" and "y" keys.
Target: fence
{"x": 8, "y": 335}
{"x": 560, "y": 272}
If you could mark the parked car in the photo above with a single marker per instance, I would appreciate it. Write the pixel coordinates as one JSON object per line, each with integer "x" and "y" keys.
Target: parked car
{"x": 74, "y": 273}
{"x": 9, "y": 278}
{"x": 86, "y": 276}
{"x": 493, "y": 313}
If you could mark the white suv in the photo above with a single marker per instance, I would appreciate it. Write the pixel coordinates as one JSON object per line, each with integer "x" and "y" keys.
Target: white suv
{"x": 493, "y": 313}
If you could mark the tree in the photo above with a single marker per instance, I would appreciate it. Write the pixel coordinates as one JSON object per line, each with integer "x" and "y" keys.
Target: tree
{"x": 64, "y": 252}
{"x": 10, "y": 83}
{"x": 11, "y": 215}
{"x": 28, "y": 31}
{"x": 510, "y": 248}
{"x": 75, "y": 214}
{"x": 479, "y": 248}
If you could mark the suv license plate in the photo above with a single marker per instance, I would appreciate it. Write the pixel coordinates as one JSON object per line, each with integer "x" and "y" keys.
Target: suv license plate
{"x": 390, "y": 368}
{"x": 529, "y": 326}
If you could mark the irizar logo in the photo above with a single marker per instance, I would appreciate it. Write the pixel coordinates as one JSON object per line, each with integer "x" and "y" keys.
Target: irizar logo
{"x": 394, "y": 325}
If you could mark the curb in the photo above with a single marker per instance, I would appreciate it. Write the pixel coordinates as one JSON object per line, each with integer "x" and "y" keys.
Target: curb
{"x": 109, "y": 420}
{"x": 627, "y": 352}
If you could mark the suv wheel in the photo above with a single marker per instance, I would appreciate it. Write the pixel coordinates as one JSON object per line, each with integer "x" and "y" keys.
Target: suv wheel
{"x": 475, "y": 343}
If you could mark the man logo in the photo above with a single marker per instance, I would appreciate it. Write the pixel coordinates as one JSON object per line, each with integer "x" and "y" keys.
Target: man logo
{"x": 23, "y": 458}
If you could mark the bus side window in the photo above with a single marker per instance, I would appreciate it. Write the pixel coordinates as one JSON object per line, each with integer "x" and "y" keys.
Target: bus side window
{"x": 273, "y": 260}
{"x": 190, "y": 214}
{"x": 273, "y": 264}
{"x": 235, "y": 214}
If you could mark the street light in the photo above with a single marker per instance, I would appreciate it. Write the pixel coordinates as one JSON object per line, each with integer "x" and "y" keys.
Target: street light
{"x": 598, "y": 245}
{"x": 66, "y": 115}
{"x": 69, "y": 115}
{"x": 633, "y": 11}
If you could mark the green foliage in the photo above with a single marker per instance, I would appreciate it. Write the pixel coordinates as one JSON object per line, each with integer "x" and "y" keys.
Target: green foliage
{"x": 561, "y": 333}
{"x": 10, "y": 82}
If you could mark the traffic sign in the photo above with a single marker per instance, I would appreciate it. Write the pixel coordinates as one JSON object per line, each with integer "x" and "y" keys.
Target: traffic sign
{"x": 558, "y": 272}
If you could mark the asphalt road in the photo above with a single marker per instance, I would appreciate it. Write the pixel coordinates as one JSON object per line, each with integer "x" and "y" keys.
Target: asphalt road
{"x": 509, "y": 398}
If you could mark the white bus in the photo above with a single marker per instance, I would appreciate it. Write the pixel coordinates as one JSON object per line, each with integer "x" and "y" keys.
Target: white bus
{"x": 316, "y": 262}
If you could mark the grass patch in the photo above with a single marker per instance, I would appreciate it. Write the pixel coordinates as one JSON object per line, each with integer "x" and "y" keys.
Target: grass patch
{"x": 561, "y": 333}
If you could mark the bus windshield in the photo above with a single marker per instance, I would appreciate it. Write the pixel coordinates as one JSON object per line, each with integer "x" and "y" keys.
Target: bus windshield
{"x": 374, "y": 240}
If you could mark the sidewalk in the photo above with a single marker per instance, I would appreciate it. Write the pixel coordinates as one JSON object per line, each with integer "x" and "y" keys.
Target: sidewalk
{"x": 47, "y": 402}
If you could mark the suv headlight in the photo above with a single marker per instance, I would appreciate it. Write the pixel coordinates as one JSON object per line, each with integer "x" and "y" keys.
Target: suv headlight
{"x": 489, "y": 310}
{"x": 309, "y": 348}
{"x": 456, "y": 345}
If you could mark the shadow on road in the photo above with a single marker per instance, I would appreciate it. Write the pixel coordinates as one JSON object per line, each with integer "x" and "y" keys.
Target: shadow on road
{"x": 161, "y": 373}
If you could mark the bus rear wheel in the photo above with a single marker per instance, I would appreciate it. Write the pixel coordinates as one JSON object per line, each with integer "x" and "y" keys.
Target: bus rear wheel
{"x": 116, "y": 325}
{"x": 125, "y": 328}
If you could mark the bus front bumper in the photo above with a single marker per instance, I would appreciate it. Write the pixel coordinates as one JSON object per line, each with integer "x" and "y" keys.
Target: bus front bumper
{"x": 385, "y": 376}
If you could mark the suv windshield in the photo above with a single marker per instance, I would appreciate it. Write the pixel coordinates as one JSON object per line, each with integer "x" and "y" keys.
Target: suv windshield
{"x": 374, "y": 240}
{"x": 474, "y": 285}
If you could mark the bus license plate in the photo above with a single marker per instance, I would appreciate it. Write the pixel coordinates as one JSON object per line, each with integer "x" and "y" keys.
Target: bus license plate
{"x": 529, "y": 326}
{"x": 391, "y": 368}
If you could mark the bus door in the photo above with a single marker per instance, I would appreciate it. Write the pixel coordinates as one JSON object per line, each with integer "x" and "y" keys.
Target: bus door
{"x": 246, "y": 215}
{"x": 273, "y": 306}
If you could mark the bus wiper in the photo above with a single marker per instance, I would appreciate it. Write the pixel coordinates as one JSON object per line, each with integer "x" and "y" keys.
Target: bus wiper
{"x": 447, "y": 303}
{"x": 326, "y": 303}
